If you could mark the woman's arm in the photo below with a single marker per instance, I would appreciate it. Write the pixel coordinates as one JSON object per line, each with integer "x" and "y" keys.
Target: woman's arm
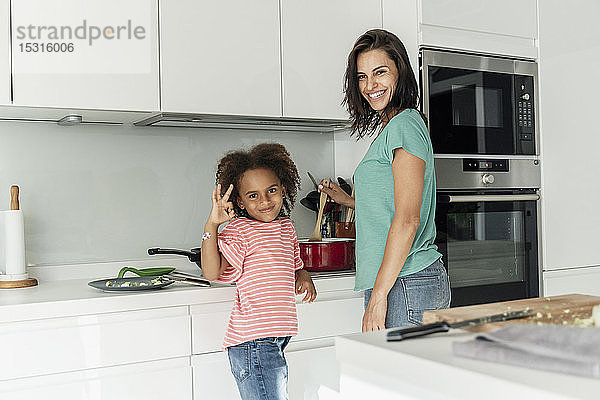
{"x": 337, "y": 194}
{"x": 409, "y": 173}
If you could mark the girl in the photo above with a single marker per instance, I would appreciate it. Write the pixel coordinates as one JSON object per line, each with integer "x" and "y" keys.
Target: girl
{"x": 397, "y": 263}
{"x": 259, "y": 251}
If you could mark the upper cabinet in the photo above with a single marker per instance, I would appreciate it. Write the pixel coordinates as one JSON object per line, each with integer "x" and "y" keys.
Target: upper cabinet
{"x": 316, "y": 39}
{"x": 220, "y": 57}
{"x": 506, "y": 27}
{"x": 97, "y": 54}
{"x": 4, "y": 52}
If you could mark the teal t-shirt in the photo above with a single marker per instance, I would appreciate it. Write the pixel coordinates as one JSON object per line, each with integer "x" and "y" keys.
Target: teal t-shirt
{"x": 374, "y": 191}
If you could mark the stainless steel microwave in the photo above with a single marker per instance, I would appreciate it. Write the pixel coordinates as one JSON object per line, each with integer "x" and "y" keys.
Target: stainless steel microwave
{"x": 479, "y": 104}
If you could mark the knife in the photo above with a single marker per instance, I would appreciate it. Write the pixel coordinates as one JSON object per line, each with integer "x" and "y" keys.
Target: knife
{"x": 188, "y": 279}
{"x": 443, "y": 326}
{"x": 312, "y": 178}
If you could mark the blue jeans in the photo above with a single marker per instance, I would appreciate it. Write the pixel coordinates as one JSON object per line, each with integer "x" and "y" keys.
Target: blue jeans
{"x": 260, "y": 368}
{"x": 411, "y": 295}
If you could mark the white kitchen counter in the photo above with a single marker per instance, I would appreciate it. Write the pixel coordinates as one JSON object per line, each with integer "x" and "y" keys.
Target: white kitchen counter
{"x": 73, "y": 297}
{"x": 426, "y": 368}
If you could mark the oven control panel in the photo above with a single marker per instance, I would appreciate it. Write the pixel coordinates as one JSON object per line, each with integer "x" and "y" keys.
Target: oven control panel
{"x": 478, "y": 164}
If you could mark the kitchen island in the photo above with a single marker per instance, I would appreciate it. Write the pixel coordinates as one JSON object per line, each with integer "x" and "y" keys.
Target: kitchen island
{"x": 426, "y": 368}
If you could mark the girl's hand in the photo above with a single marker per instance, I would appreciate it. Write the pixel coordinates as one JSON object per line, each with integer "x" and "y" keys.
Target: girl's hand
{"x": 374, "y": 317}
{"x": 337, "y": 194}
{"x": 222, "y": 209}
{"x": 304, "y": 284}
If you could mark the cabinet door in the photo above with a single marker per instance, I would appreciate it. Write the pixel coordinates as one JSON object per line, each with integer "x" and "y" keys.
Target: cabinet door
{"x": 568, "y": 48}
{"x": 220, "y": 57}
{"x": 98, "y": 54}
{"x": 507, "y": 27}
{"x": 213, "y": 378}
{"x": 309, "y": 369}
{"x": 5, "y": 52}
{"x": 572, "y": 280}
{"x": 157, "y": 380}
{"x": 316, "y": 39}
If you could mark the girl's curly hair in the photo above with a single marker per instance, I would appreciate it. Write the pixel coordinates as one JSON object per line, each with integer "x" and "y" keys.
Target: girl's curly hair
{"x": 271, "y": 156}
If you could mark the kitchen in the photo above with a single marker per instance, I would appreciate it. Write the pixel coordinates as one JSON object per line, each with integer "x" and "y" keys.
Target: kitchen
{"x": 97, "y": 195}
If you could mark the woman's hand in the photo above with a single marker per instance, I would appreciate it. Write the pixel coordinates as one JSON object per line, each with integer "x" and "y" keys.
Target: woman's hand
{"x": 222, "y": 209}
{"x": 304, "y": 284}
{"x": 374, "y": 317}
{"x": 337, "y": 194}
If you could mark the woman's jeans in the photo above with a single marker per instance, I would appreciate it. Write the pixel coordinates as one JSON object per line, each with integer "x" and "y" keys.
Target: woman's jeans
{"x": 411, "y": 295}
{"x": 260, "y": 368}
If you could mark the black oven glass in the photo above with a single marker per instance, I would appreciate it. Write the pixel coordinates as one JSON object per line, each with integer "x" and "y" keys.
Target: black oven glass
{"x": 471, "y": 112}
{"x": 489, "y": 249}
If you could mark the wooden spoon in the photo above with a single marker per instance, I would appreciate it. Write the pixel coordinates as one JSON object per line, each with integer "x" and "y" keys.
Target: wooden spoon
{"x": 316, "y": 235}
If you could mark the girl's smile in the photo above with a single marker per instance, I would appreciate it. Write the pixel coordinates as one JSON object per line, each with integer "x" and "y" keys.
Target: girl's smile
{"x": 261, "y": 194}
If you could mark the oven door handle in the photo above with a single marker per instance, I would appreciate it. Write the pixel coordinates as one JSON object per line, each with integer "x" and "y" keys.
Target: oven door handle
{"x": 486, "y": 197}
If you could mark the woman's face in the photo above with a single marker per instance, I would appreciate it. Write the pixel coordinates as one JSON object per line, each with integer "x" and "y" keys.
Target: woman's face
{"x": 377, "y": 78}
{"x": 261, "y": 194}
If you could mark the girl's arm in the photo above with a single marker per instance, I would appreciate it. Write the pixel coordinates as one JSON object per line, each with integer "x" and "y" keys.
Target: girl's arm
{"x": 409, "y": 173}
{"x": 212, "y": 261}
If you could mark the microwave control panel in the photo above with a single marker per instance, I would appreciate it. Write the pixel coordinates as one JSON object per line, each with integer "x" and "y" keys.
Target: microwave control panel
{"x": 477, "y": 164}
{"x": 525, "y": 114}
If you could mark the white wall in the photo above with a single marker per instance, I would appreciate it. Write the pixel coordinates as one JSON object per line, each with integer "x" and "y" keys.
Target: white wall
{"x": 106, "y": 193}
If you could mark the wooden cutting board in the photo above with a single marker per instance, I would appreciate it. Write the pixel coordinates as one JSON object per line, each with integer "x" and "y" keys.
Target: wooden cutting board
{"x": 568, "y": 309}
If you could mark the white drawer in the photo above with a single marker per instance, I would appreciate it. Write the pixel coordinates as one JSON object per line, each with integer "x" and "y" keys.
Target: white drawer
{"x": 165, "y": 379}
{"x": 213, "y": 378}
{"x": 57, "y": 345}
{"x": 329, "y": 317}
{"x": 209, "y": 323}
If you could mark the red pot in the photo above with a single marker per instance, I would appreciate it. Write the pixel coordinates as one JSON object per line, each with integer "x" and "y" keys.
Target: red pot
{"x": 331, "y": 254}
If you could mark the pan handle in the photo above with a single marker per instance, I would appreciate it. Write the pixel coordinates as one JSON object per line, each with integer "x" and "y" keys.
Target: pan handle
{"x": 194, "y": 256}
{"x": 414, "y": 331}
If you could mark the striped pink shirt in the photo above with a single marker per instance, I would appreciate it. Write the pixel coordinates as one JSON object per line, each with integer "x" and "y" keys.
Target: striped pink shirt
{"x": 264, "y": 257}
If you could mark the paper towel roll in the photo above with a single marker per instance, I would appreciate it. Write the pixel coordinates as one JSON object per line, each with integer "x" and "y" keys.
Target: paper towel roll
{"x": 14, "y": 242}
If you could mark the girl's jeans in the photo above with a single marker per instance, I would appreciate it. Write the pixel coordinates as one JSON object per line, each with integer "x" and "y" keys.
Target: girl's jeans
{"x": 260, "y": 368}
{"x": 411, "y": 295}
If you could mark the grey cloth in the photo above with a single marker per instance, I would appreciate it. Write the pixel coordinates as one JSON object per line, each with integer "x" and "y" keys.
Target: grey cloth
{"x": 566, "y": 349}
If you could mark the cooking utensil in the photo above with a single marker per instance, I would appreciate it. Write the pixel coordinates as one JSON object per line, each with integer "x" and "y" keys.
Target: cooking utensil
{"x": 346, "y": 187}
{"x": 316, "y": 235}
{"x": 192, "y": 280}
{"x": 330, "y": 254}
{"x": 308, "y": 203}
{"x": 312, "y": 178}
{"x": 157, "y": 271}
{"x": 131, "y": 284}
{"x": 346, "y": 229}
{"x": 193, "y": 254}
{"x": 443, "y": 326}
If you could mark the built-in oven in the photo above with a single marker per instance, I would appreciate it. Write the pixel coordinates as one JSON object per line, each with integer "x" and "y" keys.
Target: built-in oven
{"x": 479, "y": 105}
{"x": 487, "y": 227}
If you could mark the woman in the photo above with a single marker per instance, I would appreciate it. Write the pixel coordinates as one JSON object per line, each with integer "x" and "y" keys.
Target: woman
{"x": 397, "y": 263}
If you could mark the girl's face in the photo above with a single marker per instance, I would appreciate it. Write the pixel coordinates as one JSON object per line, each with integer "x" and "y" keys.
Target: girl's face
{"x": 377, "y": 78}
{"x": 261, "y": 194}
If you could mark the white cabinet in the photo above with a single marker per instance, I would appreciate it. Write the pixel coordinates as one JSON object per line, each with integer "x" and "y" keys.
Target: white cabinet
{"x": 99, "y": 54}
{"x": 57, "y": 345}
{"x": 310, "y": 368}
{"x": 572, "y": 280}
{"x": 316, "y": 39}
{"x": 220, "y": 57}
{"x": 5, "y": 52}
{"x": 569, "y": 134}
{"x": 507, "y": 27}
{"x": 213, "y": 378}
{"x": 156, "y": 380}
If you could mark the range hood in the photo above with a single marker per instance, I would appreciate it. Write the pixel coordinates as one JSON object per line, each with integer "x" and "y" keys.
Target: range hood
{"x": 183, "y": 120}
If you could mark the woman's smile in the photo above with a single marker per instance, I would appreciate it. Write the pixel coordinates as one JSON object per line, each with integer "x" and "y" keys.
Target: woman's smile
{"x": 377, "y": 78}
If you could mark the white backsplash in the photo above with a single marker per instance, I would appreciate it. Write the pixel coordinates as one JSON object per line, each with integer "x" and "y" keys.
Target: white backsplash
{"x": 99, "y": 193}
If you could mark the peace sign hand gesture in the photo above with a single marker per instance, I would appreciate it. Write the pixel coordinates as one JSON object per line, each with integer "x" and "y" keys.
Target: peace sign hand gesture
{"x": 222, "y": 209}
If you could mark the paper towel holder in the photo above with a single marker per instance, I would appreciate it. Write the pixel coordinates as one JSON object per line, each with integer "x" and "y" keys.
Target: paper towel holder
{"x": 25, "y": 280}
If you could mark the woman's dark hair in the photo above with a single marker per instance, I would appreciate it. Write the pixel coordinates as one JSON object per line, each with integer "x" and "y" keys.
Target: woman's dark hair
{"x": 271, "y": 156}
{"x": 364, "y": 119}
